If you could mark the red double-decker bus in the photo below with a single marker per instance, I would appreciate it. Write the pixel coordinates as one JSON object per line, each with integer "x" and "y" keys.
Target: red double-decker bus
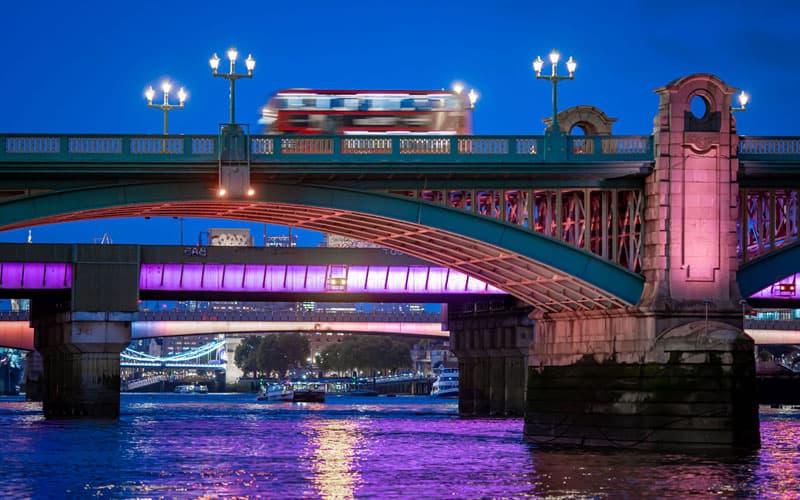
{"x": 304, "y": 111}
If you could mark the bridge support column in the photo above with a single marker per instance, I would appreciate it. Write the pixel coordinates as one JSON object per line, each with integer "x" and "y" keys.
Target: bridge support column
{"x": 80, "y": 353}
{"x": 676, "y": 370}
{"x": 639, "y": 381}
{"x": 80, "y": 337}
{"x": 492, "y": 349}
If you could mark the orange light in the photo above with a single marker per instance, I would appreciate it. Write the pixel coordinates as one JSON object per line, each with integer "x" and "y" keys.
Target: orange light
{"x": 251, "y": 192}
{"x": 222, "y": 192}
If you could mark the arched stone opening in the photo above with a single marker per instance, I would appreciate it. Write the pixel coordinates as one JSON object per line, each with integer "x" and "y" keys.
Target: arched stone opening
{"x": 588, "y": 119}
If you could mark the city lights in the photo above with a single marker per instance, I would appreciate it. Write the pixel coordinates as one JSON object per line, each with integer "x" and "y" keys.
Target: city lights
{"x": 232, "y": 75}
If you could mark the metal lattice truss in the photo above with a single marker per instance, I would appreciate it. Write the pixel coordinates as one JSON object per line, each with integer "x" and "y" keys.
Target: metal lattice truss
{"x": 541, "y": 286}
{"x": 771, "y": 217}
{"x": 204, "y": 356}
{"x": 606, "y": 222}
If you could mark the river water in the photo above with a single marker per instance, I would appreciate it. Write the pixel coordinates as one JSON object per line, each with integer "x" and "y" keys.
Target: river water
{"x": 175, "y": 445}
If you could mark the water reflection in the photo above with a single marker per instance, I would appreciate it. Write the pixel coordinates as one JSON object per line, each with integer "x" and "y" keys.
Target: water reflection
{"x": 333, "y": 454}
{"x": 229, "y": 445}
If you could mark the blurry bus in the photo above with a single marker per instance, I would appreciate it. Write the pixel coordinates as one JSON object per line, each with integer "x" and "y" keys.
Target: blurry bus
{"x": 306, "y": 111}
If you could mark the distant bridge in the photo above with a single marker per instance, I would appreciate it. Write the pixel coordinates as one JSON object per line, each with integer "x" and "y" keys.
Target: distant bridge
{"x": 15, "y": 331}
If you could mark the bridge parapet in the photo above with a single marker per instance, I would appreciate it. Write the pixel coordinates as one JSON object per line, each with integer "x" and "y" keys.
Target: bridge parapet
{"x": 326, "y": 149}
{"x": 773, "y": 148}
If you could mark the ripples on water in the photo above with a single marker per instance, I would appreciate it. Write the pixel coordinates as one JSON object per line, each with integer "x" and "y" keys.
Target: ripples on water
{"x": 189, "y": 445}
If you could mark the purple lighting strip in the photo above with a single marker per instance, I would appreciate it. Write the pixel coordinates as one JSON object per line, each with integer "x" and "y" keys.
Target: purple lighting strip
{"x": 35, "y": 275}
{"x": 261, "y": 278}
{"x": 309, "y": 279}
{"x": 788, "y": 289}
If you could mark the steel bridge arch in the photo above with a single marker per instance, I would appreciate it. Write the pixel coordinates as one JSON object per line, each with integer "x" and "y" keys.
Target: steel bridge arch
{"x": 769, "y": 268}
{"x": 548, "y": 274}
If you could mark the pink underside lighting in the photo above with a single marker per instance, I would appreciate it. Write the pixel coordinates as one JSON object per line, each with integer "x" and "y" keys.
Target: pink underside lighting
{"x": 150, "y": 329}
{"x": 19, "y": 334}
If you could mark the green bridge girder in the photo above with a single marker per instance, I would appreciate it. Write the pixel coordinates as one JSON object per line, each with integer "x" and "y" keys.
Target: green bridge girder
{"x": 539, "y": 270}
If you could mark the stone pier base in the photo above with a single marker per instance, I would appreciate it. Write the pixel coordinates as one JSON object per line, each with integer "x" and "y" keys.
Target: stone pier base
{"x": 609, "y": 382}
{"x": 80, "y": 355}
{"x": 492, "y": 351}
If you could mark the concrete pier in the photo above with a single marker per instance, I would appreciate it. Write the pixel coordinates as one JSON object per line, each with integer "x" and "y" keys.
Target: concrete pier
{"x": 80, "y": 337}
{"x": 491, "y": 342}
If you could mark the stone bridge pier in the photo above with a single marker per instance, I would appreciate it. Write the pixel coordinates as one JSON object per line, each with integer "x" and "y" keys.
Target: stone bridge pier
{"x": 80, "y": 337}
{"x": 676, "y": 370}
{"x": 491, "y": 341}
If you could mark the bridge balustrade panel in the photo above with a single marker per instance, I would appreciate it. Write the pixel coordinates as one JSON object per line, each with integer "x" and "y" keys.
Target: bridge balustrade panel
{"x": 333, "y": 149}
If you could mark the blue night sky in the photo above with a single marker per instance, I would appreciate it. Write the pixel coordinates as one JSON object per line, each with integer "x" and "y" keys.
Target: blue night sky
{"x": 83, "y": 66}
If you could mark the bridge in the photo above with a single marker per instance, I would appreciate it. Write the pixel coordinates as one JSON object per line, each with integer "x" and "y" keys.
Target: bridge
{"x": 209, "y": 356}
{"x": 628, "y": 252}
{"x": 16, "y": 332}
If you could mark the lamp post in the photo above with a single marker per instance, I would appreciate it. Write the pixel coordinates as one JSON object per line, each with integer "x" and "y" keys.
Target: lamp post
{"x": 166, "y": 107}
{"x": 743, "y": 99}
{"x": 232, "y": 75}
{"x": 554, "y": 78}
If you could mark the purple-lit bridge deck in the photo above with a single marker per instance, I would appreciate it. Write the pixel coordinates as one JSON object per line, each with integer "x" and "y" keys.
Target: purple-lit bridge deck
{"x": 222, "y": 273}
{"x": 16, "y": 333}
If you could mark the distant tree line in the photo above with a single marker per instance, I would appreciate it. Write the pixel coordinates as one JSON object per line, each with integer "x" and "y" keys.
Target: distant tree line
{"x": 365, "y": 353}
{"x": 271, "y": 355}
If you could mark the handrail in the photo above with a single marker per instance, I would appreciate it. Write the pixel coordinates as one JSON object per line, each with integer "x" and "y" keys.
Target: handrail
{"x": 769, "y": 147}
{"x": 127, "y": 148}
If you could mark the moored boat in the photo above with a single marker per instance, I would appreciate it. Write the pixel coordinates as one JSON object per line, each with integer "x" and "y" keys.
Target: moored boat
{"x": 276, "y": 392}
{"x": 446, "y": 384}
{"x": 311, "y": 393}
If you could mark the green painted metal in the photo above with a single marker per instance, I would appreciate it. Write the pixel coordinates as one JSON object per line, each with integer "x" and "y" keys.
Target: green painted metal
{"x": 575, "y": 262}
{"x": 452, "y": 150}
{"x": 767, "y": 269}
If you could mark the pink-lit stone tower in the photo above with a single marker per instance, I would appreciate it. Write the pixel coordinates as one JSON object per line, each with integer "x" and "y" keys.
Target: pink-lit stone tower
{"x": 677, "y": 371}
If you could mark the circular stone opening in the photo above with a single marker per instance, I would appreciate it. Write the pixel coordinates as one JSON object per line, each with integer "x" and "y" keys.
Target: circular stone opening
{"x": 698, "y": 106}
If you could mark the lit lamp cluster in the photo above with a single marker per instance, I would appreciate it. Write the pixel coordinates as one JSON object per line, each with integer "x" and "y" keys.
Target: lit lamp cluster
{"x": 165, "y": 106}
{"x": 743, "y": 99}
{"x": 232, "y": 75}
{"x": 472, "y": 95}
{"x": 554, "y": 77}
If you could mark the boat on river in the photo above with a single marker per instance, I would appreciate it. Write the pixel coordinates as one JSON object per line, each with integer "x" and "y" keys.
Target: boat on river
{"x": 446, "y": 384}
{"x": 191, "y": 389}
{"x": 276, "y": 392}
{"x": 309, "y": 393}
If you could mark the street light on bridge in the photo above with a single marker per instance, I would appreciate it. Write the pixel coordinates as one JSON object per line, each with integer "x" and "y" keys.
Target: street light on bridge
{"x": 554, "y": 78}
{"x": 472, "y": 96}
{"x": 232, "y": 75}
{"x": 743, "y": 99}
{"x": 166, "y": 107}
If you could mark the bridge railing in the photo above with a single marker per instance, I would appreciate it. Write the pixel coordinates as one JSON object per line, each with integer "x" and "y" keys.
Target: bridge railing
{"x": 769, "y": 148}
{"x": 333, "y": 149}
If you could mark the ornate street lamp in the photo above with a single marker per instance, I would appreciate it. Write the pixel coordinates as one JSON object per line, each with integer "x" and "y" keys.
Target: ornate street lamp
{"x": 554, "y": 78}
{"x": 743, "y": 99}
{"x": 166, "y": 107}
{"x": 472, "y": 96}
{"x": 232, "y": 75}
